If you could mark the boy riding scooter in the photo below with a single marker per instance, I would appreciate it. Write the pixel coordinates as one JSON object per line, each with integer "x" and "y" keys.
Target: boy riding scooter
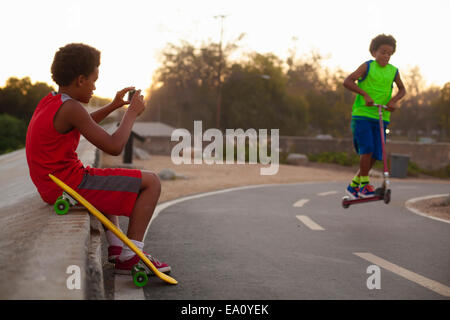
{"x": 375, "y": 79}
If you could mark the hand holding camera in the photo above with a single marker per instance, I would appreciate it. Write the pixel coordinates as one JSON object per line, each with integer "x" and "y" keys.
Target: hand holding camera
{"x": 137, "y": 105}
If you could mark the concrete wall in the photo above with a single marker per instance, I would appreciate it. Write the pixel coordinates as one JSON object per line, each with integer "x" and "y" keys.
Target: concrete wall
{"x": 156, "y": 145}
{"x": 427, "y": 156}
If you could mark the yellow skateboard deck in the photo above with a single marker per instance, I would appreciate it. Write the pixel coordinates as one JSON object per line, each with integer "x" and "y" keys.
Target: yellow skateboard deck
{"x": 108, "y": 224}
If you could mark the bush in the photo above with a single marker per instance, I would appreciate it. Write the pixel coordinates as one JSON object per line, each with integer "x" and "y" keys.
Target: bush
{"x": 414, "y": 170}
{"x": 341, "y": 158}
{"x": 12, "y": 133}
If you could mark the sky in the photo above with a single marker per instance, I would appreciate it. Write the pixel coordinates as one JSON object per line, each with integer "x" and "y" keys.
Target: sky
{"x": 131, "y": 33}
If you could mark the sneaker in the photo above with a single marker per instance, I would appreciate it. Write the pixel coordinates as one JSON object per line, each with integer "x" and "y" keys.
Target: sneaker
{"x": 124, "y": 267}
{"x": 352, "y": 192}
{"x": 367, "y": 191}
{"x": 114, "y": 253}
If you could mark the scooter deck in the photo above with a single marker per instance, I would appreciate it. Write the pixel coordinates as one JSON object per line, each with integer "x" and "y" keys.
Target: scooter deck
{"x": 346, "y": 201}
{"x": 380, "y": 195}
{"x": 108, "y": 224}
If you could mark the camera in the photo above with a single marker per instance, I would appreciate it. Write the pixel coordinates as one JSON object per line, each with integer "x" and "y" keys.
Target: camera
{"x": 131, "y": 94}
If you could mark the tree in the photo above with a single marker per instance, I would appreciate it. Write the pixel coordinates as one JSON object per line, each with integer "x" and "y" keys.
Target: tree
{"x": 298, "y": 96}
{"x": 255, "y": 96}
{"x": 12, "y": 133}
{"x": 417, "y": 114}
{"x": 20, "y": 97}
{"x": 185, "y": 86}
{"x": 442, "y": 109}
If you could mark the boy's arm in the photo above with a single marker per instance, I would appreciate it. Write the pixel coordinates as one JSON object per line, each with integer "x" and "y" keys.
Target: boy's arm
{"x": 350, "y": 84}
{"x": 118, "y": 102}
{"x": 75, "y": 115}
{"x": 400, "y": 94}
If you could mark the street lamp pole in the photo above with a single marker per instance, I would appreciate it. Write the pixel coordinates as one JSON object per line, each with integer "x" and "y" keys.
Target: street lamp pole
{"x": 219, "y": 73}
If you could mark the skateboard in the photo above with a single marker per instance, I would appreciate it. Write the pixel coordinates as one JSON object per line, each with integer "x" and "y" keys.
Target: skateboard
{"x": 383, "y": 193}
{"x": 142, "y": 270}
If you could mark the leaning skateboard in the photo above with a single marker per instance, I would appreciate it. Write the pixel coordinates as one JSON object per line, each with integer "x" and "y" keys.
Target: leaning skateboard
{"x": 142, "y": 270}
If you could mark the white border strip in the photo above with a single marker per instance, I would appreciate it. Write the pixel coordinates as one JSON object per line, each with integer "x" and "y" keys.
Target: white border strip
{"x": 409, "y": 206}
{"x": 411, "y": 276}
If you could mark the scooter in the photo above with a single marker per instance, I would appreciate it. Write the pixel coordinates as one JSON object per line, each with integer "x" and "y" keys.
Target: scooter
{"x": 382, "y": 193}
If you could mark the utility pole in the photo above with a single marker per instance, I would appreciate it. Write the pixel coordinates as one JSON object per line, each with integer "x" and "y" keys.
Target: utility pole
{"x": 219, "y": 73}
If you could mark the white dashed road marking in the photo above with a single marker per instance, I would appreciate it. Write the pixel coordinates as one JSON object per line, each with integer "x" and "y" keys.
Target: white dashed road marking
{"x": 327, "y": 193}
{"x": 309, "y": 223}
{"x": 411, "y": 276}
{"x": 300, "y": 203}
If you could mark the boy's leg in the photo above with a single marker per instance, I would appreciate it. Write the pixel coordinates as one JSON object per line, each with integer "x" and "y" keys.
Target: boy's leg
{"x": 366, "y": 163}
{"x": 362, "y": 175}
{"x": 139, "y": 220}
{"x": 368, "y": 190}
{"x": 113, "y": 219}
{"x": 144, "y": 206}
{"x": 115, "y": 245}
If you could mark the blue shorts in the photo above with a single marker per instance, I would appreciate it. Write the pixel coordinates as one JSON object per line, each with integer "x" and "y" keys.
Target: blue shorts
{"x": 366, "y": 137}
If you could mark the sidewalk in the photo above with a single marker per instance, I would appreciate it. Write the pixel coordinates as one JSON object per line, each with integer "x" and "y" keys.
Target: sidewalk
{"x": 36, "y": 245}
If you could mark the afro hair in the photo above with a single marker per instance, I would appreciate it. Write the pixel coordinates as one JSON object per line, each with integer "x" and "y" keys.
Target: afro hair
{"x": 73, "y": 60}
{"x": 380, "y": 40}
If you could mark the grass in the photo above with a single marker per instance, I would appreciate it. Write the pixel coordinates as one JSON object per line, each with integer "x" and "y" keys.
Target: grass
{"x": 414, "y": 170}
{"x": 341, "y": 158}
{"x": 344, "y": 159}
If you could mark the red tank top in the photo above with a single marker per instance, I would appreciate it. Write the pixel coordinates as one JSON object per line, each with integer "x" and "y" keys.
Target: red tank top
{"x": 49, "y": 151}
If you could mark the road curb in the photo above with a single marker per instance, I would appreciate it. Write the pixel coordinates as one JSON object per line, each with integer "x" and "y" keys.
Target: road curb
{"x": 409, "y": 205}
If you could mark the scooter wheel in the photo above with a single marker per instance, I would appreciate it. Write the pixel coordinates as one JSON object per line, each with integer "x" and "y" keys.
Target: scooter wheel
{"x": 379, "y": 192}
{"x": 387, "y": 196}
{"x": 345, "y": 205}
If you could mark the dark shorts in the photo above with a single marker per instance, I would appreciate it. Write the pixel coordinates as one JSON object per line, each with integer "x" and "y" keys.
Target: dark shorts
{"x": 112, "y": 191}
{"x": 366, "y": 137}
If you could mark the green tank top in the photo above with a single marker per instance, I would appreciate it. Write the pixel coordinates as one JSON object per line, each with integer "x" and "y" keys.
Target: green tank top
{"x": 378, "y": 83}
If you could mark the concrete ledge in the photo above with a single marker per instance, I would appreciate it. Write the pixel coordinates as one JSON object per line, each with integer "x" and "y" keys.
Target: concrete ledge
{"x": 40, "y": 246}
{"x": 37, "y": 246}
{"x": 95, "y": 288}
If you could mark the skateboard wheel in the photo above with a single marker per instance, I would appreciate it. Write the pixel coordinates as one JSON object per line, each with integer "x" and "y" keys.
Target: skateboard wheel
{"x": 140, "y": 278}
{"x": 387, "y": 196}
{"x": 61, "y": 206}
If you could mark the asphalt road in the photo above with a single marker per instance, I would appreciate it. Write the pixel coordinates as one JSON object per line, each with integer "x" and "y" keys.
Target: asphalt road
{"x": 297, "y": 242}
